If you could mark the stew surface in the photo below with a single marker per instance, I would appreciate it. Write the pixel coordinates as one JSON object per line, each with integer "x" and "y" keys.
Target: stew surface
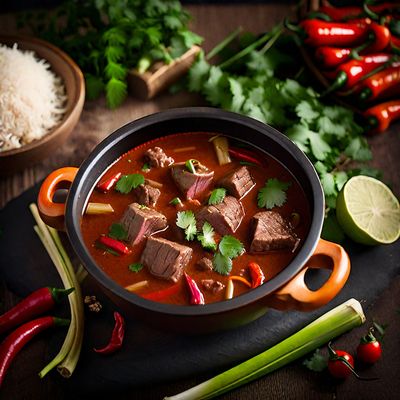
{"x": 128, "y": 269}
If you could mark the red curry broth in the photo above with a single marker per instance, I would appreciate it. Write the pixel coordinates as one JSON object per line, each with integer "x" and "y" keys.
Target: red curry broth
{"x": 132, "y": 162}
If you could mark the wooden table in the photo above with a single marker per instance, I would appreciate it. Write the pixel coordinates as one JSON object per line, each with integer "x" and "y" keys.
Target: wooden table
{"x": 213, "y": 22}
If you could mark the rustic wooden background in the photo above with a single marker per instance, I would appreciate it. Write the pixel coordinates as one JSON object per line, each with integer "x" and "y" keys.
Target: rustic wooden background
{"x": 294, "y": 382}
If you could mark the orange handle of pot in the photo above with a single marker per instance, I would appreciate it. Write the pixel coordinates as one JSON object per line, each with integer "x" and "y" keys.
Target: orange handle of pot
{"x": 295, "y": 295}
{"x": 53, "y": 213}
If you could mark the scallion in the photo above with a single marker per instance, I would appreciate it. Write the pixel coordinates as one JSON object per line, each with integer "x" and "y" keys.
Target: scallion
{"x": 334, "y": 323}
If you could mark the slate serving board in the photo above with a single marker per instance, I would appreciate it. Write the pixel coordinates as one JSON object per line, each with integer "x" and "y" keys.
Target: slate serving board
{"x": 150, "y": 356}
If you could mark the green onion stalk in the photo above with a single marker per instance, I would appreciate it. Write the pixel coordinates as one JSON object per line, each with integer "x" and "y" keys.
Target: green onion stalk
{"x": 330, "y": 325}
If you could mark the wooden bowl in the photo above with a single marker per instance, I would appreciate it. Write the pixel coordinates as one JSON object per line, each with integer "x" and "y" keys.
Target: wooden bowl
{"x": 14, "y": 160}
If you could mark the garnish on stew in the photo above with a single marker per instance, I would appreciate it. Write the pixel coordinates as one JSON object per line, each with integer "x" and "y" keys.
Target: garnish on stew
{"x": 217, "y": 196}
{"x": 206, "y": 237}
{"x": 187, "y": 221}
{"x": 273, "y": 194}
{"x": 135, "y": 267}
{"x": 229, "y": 247}
{"x": 128, "y": 182}
{"x": 117, "y": 231}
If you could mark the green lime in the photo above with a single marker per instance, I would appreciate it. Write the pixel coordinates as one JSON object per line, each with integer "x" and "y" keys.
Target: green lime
{"x": 368, "y": 211}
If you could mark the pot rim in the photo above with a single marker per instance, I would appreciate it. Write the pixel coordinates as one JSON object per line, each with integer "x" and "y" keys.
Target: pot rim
{"x": 72, "y": 214}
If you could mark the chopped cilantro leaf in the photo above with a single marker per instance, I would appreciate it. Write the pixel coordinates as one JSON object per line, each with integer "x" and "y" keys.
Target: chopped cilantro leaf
{"x": 206, "y": 237}
{"x": 146, "y": 167}
{"x": 217, "y": 196}
{"x": 187, "y": 221}
{"x": 222, "y": 264}
{"x": 128, "y": 182}
{"x": 135, "y": 267}
{"x": 117, "y": 231}
{"x": 230, "y": 247}
{"x": 317, "y": 362}
{"x": 176, "y": 201}
{"x": 273, "y": 194}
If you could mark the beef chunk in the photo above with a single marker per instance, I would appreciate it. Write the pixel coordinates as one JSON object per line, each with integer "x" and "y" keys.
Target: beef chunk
{"x": 238, "y": 182}
{"x": 212, "y": 285}
{"x": 225, "y": 217}
{"x": 157, "y": 158}
{"x": 146, "y": 195}
{"x": 140, "y": 221}
{"x": 272, "y": 232}
{"x": 165, "y": 259}
{"x": 192, "y": 184}
{"x": 204, "y": 264}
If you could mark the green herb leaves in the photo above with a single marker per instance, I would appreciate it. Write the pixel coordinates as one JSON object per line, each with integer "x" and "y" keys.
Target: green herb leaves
{"x": 217, "y": 196}
{"x": 229, "y": 247}
{"x": 135, "y": 267}
{"x": 117, "y": 231}
{"x": 273, "y": 194}
{"x": 128, "y": 182}
{"x": 187, "y": 221}
{"x": 206, "y": 237}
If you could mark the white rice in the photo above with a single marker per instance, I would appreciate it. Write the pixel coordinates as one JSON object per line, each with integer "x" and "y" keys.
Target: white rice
{"x": 32, "y": 98}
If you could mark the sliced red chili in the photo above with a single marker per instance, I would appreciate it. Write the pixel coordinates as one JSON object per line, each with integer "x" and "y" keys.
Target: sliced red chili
{"x": 257, "y": 275}
{"x": 106, "y": 185}
{"x": 16, "y": 340}
{"x": 162, "y": 294}
{"x": 114, "y": 244}
{"x": 38, "y": 302}
{"x": 117, "y": 336}
{"x": 244, "y": 155}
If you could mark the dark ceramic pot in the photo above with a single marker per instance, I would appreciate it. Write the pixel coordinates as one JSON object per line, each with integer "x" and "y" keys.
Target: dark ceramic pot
{"x": 287, "y": 290}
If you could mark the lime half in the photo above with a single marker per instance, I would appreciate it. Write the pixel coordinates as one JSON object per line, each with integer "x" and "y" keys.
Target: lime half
{"x": 368, "y": 211}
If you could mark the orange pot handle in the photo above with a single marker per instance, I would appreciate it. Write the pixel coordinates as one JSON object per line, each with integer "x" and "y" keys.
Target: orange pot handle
{"x": 53, "y": 213}
{"x": 295, "y": 295}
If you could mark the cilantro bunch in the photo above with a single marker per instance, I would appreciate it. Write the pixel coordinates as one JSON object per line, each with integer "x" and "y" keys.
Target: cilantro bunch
{"x": 108, "y": 37}
{"x": 247, "y": 80}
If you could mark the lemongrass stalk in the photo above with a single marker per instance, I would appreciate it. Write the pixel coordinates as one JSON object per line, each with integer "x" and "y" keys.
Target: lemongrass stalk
{"x": 68, "y": 355}
{"x": 99, "y": 208}
{"x": 81, "y": 273}
{"x": 68, "y": 365}
{"x": 221, "y": 147}
{"x": 330, "y": 325}
{"x": 136, "y": 286}
{"x": 229, "y": 290}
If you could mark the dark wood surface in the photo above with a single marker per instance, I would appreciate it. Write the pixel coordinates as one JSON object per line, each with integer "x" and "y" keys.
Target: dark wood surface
{"x": 292, "y": 382}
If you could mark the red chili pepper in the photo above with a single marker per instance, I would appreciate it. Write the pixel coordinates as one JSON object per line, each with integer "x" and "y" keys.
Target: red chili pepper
{"x": 381, "y": 38}
{"x": 114, "y": 245}
{"x": 244, "y": 155}
{"x": 379, "y": 117}
{"x": 383, "y": 84}
{"x": 351, "y": 72}
{"x": 162, "y": 294}
{"x": 257, "y": 275}
{"x": 350, "y": 12}
{"x": 117, "y": 336}
{"x": 196, "y": 297}
{"x": 106, "y": 185}
{"x": 16, "y": 340}
{"x": 331, "y": 57}
{"x": 36, "y": 303}
{"x": 322, "y": 33}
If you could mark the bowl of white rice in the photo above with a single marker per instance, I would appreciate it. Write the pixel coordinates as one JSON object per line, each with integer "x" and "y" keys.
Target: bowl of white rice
{"x": 42, "y": 92}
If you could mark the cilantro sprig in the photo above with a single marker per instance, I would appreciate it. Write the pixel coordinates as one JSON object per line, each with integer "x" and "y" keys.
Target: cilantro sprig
{"x": 206, "y": 237}
{"x": 229, "y": 247}
{"x": 273, "y": 194}
{"x": 135, "y": 267}
{"x": 187, "y": 221}
{"x": 128, "y": 182}
{"x": 117, "y": 231}
{"x": 107, "y": 38}
{"x": 217, "y": 196}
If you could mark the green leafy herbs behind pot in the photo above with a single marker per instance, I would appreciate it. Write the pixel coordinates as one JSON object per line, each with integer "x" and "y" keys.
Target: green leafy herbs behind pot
{"x": 108, "y": 37}
{"x": 262, "y": 77}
